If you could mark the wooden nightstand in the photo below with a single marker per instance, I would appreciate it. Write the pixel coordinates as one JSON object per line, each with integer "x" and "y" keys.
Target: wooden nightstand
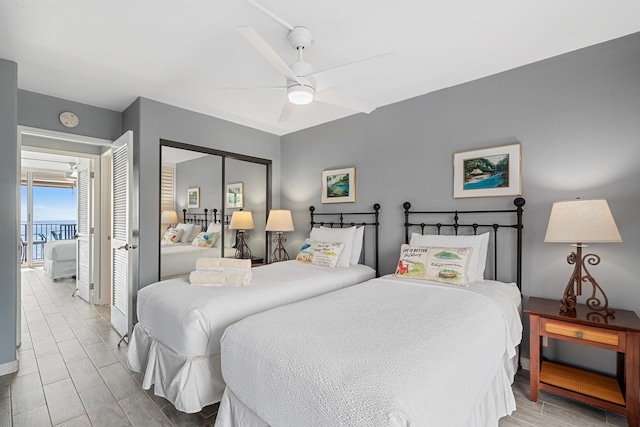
{"x": 256, "y": 262}
{"x": 620, "y": 334}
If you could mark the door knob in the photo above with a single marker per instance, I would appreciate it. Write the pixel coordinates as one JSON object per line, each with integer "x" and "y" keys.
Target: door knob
{"x": 127, "y": 246}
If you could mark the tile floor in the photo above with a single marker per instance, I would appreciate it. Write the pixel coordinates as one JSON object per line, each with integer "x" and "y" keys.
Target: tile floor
{"x": 72, "y": 373}
{"x": 552, "y": 411}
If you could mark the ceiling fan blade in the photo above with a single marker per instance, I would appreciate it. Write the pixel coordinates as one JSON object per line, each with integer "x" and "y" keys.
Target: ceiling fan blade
{"x": 270, "y": 14}
{"x": 266, "y": 51}
{"x": 333, "y": 97}
{"x": 222, "y": 89}
{"x": 286, "y": 112}
{"x": 333, "y": 76}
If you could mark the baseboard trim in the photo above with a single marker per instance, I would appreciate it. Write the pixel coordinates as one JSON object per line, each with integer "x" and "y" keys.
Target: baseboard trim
{"x": 526, "y": 363}
{"x": 9, "y": 367}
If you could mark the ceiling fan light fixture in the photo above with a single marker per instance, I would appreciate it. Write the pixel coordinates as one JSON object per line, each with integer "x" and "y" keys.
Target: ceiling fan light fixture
{"x": 300, "y": 95}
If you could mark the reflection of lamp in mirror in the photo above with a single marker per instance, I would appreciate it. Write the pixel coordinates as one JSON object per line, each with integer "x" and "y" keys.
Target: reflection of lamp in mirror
{"x": 279, "y": 221}
{"x": 578, "y": 222}
{"x": 169, "y": 217}
{"x": 241, "y": 221}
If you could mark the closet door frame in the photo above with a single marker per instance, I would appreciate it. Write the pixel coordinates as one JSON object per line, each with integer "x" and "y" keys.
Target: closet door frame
{"x": 224, "y": 155}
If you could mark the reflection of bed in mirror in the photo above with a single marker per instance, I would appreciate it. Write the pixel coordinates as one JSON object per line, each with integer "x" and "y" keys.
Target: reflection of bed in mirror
{"x": 179, "y": 259}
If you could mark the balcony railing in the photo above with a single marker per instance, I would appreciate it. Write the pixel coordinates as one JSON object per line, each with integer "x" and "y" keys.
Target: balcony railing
{"x": 43, "y": 233}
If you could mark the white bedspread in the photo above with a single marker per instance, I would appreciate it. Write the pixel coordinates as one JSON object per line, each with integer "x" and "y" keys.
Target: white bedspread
{"x": 60, "y": 250}
{"x": 176, "y": 343}
{"x": 178, "y": 259}
{"x": 388, "y": 352}
{"x": 191, "y": 319}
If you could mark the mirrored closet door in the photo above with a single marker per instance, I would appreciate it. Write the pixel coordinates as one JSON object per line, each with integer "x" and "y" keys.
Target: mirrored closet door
{"x": 200, "y": 189}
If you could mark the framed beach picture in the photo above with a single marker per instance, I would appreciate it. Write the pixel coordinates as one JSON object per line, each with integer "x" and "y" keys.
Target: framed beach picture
{"x": 489, "y": 172}
{"x": 339, "y": 185}
{"x": 235, "y": 197}
{"x": 193, "y": 198}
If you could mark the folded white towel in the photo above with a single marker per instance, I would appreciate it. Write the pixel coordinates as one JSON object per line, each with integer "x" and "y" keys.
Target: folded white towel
{"x": 209, "y": 263}
{"x": 228, "y": 277}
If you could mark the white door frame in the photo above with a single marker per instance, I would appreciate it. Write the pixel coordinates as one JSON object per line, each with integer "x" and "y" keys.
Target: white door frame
{"x": 60, "y": 136}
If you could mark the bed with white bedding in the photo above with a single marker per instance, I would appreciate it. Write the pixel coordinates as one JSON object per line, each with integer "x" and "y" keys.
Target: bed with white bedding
{"x": 176, "y": 343}
{"x": 179, "y": 259}
{"x": 60, "y": 258}
{"x": 389, "y": 351}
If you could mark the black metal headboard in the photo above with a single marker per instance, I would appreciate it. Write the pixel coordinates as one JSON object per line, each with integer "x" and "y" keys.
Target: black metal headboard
{"x": 455, "y": 224}
{"x": 200, "y": 218}
{"x": 339, "y": 221}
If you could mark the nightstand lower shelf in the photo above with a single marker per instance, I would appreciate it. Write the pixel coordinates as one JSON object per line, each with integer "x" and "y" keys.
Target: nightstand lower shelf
{"x": 580, "y": 381}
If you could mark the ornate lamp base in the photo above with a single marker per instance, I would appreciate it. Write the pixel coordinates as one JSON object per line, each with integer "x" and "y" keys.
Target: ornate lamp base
{"x": 279, "y": 253}
{"x": 242, "y": 250}
{"x": 574, "y": 287}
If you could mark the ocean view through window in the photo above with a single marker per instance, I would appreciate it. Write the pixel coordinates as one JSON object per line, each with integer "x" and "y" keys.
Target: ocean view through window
{"x": 54, "y": 217}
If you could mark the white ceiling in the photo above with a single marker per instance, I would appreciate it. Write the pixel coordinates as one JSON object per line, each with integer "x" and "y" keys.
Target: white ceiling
{"x": 172, "y": 156}
{"x": 34, "y": 161}
{"x": 108, "y": 52}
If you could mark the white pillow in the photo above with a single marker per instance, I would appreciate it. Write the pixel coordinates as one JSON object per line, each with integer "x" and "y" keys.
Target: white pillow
{"x": 358, "y": 237}
{"x": 197, "y": 229}
{"x": 229, "y": 235}
{"x": 342, "y": 235}
{"x": 356, "y": 249}
{"x": 479, "y": 244}
{"x": 187, "y": 230}
{"x": 214, "y": 228}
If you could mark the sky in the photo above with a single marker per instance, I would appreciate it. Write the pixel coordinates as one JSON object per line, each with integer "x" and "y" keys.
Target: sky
{"x": 50, "y": 204}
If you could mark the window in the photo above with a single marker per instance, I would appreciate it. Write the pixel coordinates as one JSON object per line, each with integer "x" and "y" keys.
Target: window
{"x": 167, "y": 181}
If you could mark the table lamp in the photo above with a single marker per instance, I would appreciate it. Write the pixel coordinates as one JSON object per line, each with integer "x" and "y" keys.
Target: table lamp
{"x": 279, "y": 221}
{"x": 578, "y": 222}
{"x": 242, "y": 221}
{"x": 169, "y": 217}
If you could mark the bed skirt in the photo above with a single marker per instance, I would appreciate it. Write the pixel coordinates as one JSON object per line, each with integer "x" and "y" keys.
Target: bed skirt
{"x": 498, "y": 402}
{"x": 59, "y": 269}
{"x": 190, "y": 383}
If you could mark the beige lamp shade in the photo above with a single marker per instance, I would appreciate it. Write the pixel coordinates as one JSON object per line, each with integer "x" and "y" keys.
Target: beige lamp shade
{"x": 241, "y": 220}
{"x": 169, "y": 217}
{"x": 279, "y": 220}
{"x": 582, "y": 221}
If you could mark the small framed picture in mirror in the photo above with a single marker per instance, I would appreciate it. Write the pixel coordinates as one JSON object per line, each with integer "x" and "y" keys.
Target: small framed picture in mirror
{"x": 193, "y": 198}
{"x": 235, "y": 197}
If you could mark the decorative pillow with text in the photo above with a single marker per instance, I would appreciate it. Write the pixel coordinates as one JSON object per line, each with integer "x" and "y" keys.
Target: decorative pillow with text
{"x": 172, "y": 235}
{"x": 326, "y": 254}
{"x": 205, "y": 240}
{"x": 445, "y": 265}
{"x": 305, "y": 255}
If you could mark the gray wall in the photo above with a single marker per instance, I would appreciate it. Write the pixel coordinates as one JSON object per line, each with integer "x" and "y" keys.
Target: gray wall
{"x": 43, "y": 111}
{"x": 578, "y": 119}
{"x": 204, "y": 172}
{"x": 8, "y": 209}
{"x": 151, "y": 121}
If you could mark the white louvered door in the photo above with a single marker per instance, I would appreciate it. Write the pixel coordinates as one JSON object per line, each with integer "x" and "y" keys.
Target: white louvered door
{"x": 123, "y": 283}
{"x": 84, "y": 235}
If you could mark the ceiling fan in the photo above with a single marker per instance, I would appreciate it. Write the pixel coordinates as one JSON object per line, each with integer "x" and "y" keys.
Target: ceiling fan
{"x": 73, "y": 170}
{"x": 304, "y": 85}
